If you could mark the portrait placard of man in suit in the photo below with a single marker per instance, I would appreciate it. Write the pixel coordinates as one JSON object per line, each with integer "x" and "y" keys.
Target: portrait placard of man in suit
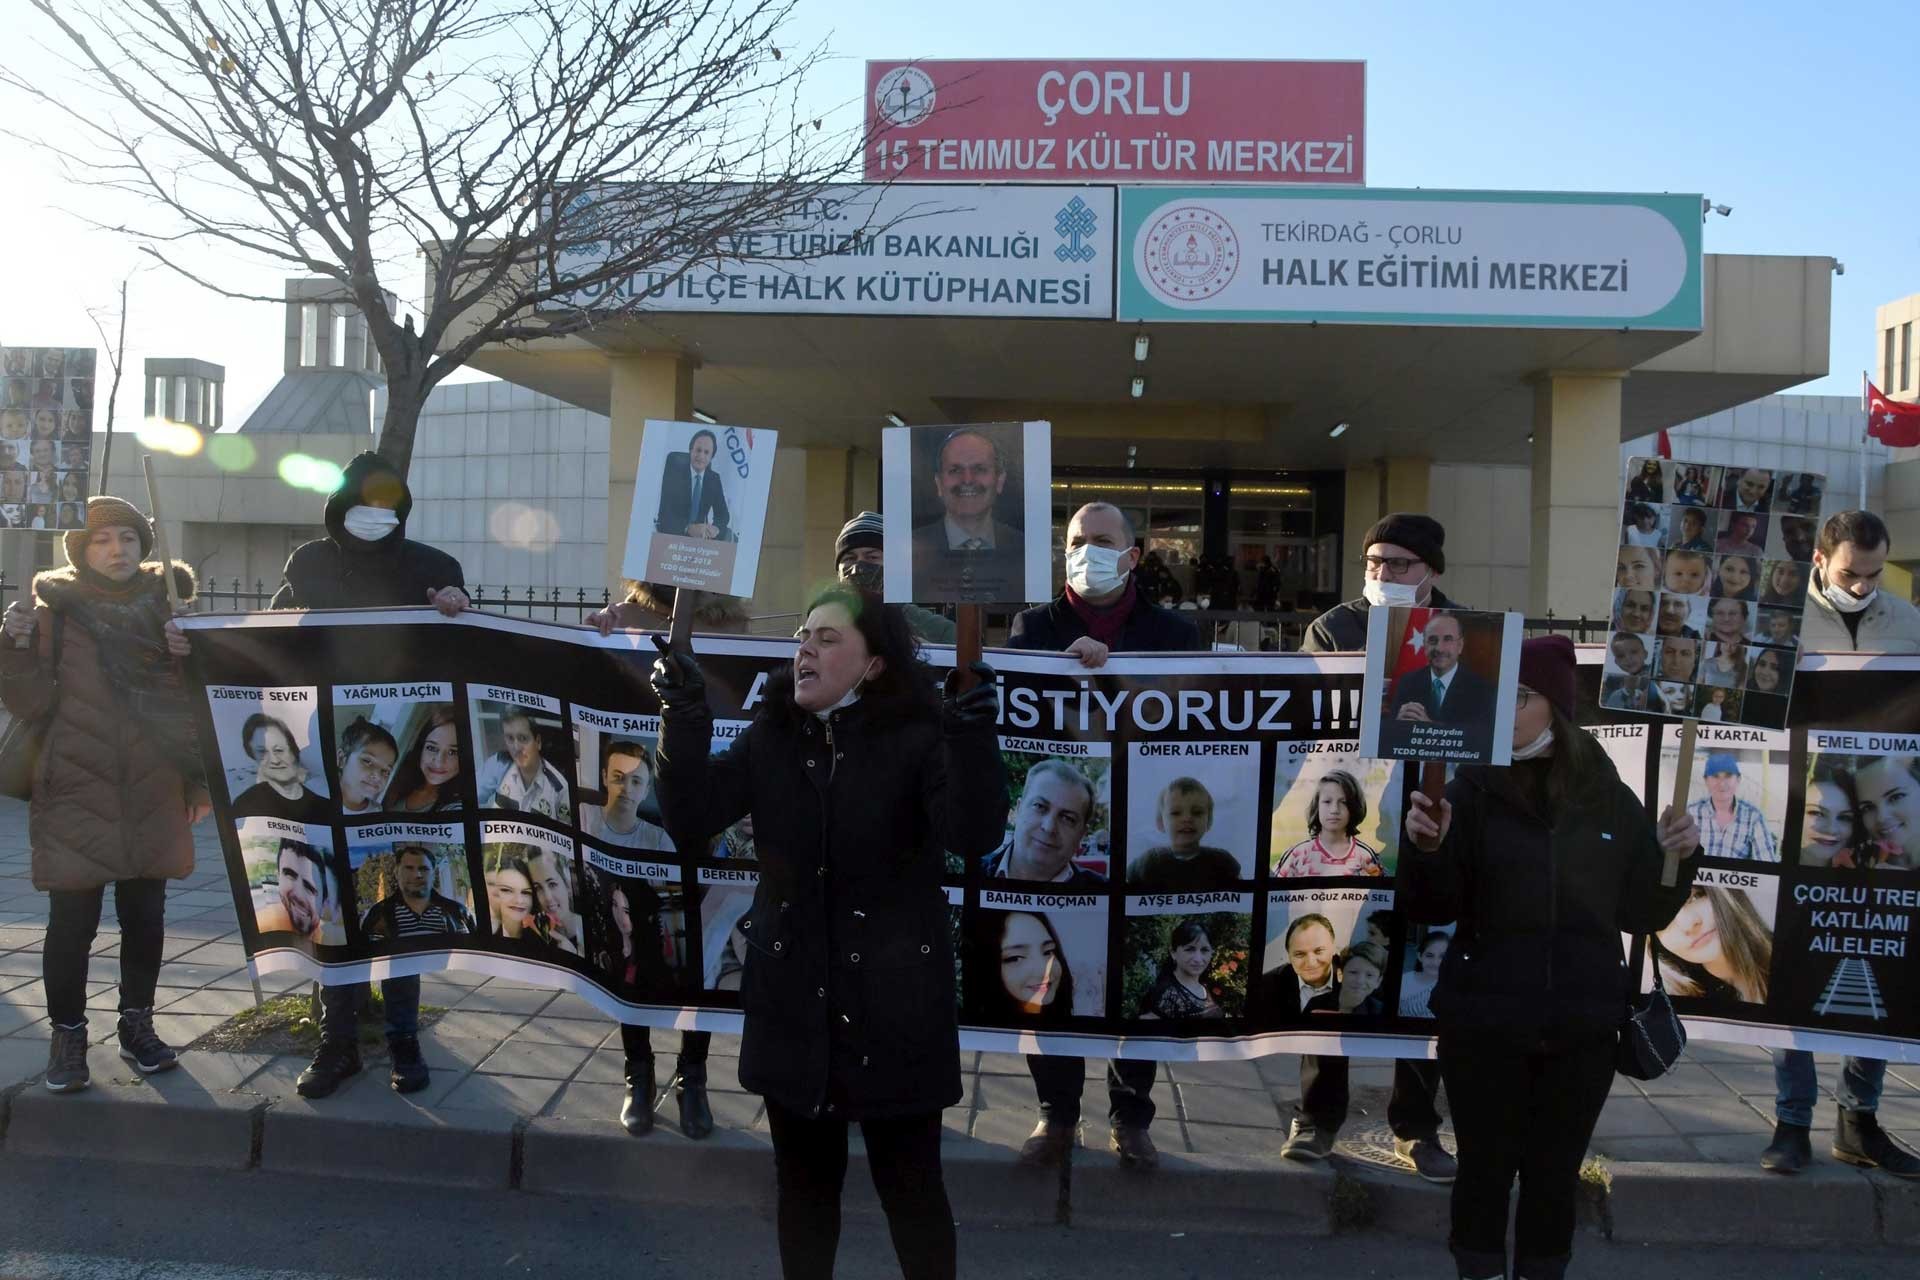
{"x": 965, "y": 553}
{"x": 1441, "y": 675}
{"x": 693, "y": 501}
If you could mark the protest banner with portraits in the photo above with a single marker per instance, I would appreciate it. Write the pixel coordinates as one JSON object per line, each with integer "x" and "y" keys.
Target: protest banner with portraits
{"x": 46, "y": 436}
{"x": 1199, "y": 861}
{"x": 974, "y": 507}
{"x": 699, "y": 506}
{"x": 1709, "y": 589}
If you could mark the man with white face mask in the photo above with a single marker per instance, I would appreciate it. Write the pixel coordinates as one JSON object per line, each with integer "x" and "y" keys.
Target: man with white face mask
{"x": 1846, "y": 609}
{"x": 366, "y": 561}
{"x": 1405, "y": 552}
{"x": 1101, "y": 610}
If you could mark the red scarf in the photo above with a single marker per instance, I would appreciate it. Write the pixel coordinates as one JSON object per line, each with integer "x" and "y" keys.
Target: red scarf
{"x": 1105, "y": 624}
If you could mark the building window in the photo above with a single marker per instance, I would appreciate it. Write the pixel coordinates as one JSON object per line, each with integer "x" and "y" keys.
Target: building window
{"x": 337, "y": 357}
{"x": 310, "y": 335}
{"x": 1906, "y": 354}
{"x": 1886, "y": 362}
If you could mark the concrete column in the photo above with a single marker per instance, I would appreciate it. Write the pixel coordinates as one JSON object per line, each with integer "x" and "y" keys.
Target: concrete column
{"x": 1362, "y": 509}
{"x": 1405, "y": 485}
{"x": 829, "y": 507}
{"x": 1576, "y": 492}
{"x": 642, "y": 386}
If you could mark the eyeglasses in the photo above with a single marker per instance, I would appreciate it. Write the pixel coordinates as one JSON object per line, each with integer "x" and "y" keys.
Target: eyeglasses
{"x": 1394, "y": 564}
{"x": 1522, "y": 696}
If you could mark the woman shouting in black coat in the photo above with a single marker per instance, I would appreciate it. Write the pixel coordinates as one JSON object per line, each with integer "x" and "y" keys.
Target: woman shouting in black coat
{"x": 859, "y": 780}
{"x": 1543, "y": 865}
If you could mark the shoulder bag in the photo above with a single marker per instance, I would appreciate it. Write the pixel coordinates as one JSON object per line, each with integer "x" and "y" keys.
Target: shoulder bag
{"x": 21, "y": 742}
{"x": 1651, "y": 1037}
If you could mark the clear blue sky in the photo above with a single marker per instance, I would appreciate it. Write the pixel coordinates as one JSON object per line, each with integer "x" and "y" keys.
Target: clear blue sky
{"x": 1794, "y": 115}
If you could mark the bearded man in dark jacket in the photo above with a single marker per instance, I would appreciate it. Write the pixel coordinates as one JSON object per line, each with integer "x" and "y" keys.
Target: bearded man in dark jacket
{"x": 366, "y": 561}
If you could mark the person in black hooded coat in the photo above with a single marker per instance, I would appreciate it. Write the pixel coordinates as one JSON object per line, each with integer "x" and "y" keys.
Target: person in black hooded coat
{"x": 388, "y": 569}
{"x": 383, "y": 569}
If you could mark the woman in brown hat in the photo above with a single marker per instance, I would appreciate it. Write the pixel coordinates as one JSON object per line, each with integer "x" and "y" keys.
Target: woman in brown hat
{"x": 116, "y": 789}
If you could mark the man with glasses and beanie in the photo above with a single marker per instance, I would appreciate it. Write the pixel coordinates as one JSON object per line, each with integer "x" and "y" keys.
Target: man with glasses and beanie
{"x": 860, "y": 559}
{"x": 1847, "y": 612}
{"x": 1101, "y": 611}
{"x": 1404, "y": 553}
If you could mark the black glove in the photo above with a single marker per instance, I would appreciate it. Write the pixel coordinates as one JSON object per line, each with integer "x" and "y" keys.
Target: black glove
{"x": 678, "y": 683}
{"x": 978, "y": 708}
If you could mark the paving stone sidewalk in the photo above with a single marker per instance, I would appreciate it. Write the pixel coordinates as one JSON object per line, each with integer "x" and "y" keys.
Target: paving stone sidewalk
{"x": 513, "y": 1059}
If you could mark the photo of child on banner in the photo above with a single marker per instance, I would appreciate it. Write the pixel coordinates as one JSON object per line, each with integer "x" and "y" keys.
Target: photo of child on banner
{"x": 699, "y": 506}
{"x": 968, "y": 513}
{"x": 370, "y": 722}
{"x": 1327, "y": 953}
{"x": 1334, "y": 812}
{"x": 1445, "y": 682}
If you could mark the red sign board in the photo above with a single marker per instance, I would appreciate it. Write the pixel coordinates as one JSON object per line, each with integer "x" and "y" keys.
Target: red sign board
{"x": 1126, "y": 121}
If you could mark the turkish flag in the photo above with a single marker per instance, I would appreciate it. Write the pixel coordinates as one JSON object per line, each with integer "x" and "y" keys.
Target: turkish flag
{"x": 1413, "y": 646}
{"x": 1891, "y": 422}
{"x": 1664, "y": 445}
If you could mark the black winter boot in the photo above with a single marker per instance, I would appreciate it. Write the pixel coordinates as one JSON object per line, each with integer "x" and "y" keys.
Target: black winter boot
{"x": 1859, "y": 1139}
{"x": 636, "y": 1112}
{"x": 1791, "y": 1149}
{"x": 690, "y": 1084}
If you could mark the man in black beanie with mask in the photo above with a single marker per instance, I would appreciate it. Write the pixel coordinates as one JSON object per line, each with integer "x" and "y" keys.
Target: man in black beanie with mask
{"x": 1405, "y": 552}
{"x": 366, "y": 561}
{"x": 860, "y": 558}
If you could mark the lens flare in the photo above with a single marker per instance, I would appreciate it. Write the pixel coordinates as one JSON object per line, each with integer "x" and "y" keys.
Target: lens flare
{"x": 163, "y": 435}
{"x": 314, "y": 474}
{"x": 231, "y": 451}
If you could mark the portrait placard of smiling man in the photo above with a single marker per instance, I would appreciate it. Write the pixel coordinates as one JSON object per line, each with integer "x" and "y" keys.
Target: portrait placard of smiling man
{"x": 974, "y": 504}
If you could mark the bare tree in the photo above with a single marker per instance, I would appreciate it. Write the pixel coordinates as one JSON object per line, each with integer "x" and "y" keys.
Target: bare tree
{"x": 116, "y": 349}
{"x": 550, "y": 161}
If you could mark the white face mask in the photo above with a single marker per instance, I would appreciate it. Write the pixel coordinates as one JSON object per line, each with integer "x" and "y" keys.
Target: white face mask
{"x": 1386, "y": 595}
{"x": 1538, "y": 747}
{"x": 1846, "y": 601}
{"x": 1094, "y": 571}
{"x": 370, "y": 524}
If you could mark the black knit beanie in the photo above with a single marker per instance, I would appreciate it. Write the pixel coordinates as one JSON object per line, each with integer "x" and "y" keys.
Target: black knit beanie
{"x": 1422, "y": 535}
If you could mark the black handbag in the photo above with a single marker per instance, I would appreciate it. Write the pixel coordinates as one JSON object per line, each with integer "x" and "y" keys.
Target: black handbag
{"x": 23, "y": 739}
{"x": 1651, "y": 1037}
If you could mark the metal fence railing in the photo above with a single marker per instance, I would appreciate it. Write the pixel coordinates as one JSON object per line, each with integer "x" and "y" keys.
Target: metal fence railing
{"x": 1246, "y": 629}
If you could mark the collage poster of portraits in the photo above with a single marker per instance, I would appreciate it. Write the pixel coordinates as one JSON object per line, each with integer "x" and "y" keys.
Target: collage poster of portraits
{"x": 1191, "y": 863}
{"x": 976, "y": 505}
{"x": 1709, "y": 587}
{"x": 700, "y": 506}
{"x": 1443, "y": 685}
{"x": 46, "y": 436}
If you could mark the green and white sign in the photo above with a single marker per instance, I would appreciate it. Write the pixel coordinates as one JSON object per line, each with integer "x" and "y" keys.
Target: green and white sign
{"x": 1494, "y": 259}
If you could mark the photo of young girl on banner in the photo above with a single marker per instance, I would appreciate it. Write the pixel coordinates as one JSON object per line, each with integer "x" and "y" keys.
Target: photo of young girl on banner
{"x": 1334, "y": 813}
{"x": 429, "y": 777}
{"x": 1719, "y": 948}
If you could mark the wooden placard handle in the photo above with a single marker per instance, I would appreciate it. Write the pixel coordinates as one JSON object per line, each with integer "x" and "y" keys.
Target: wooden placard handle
{"x": 969, "y": 624}
{"x": 680, "y": 624}
{"x": 1682, "y": 783}
{"x": 1433, "y": 783}
{"x": 160, "y": 534}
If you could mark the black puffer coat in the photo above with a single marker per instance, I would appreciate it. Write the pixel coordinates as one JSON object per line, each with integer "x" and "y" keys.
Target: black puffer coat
{"x": 1541, "y": 905}
{"x": 340, "y": 571}
{"x": 848, "y": 990}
